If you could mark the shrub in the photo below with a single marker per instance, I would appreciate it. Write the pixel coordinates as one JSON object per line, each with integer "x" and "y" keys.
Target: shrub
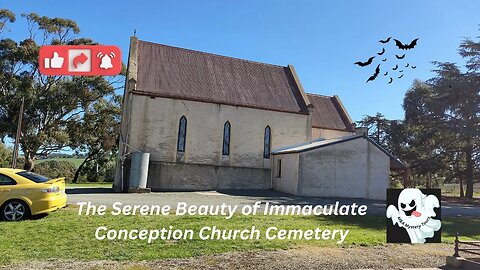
{"x": 56, "y": 168}
{"x": 103, "y": 172}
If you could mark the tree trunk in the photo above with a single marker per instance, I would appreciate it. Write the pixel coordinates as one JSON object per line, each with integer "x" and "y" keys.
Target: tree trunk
{"x": 429, "y": 180}
{"x": 462, "y": 193}
{"x": 29, "y": 164}
{"x": 77, "y": 172}
{"x": 469, "y": 171}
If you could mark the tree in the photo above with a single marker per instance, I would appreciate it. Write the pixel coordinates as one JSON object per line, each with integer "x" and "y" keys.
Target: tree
{"x": 97, "y": 134}
{"x": 52, "y": 103}
{"x": 377, "y": 126}
{"x": 443, "y": 117}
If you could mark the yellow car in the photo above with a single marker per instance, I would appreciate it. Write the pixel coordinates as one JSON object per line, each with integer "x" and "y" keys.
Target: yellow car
{"x": 24, "y": 193}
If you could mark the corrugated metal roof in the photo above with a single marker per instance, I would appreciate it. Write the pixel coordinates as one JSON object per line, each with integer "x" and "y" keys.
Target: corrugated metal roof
{"x": 172, "y": 72}
{"x": 328, "y": 113}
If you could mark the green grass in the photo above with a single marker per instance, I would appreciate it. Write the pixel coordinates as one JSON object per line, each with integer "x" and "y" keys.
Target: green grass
{"x": 64, "y": 235}
{"x": 90, "y": 185}
{"x": 75, "y": 161}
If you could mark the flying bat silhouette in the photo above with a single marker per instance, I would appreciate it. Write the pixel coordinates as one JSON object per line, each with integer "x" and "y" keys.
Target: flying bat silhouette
{"x": 395, "y": 68}
{"x": 385, "y": 41}
{"x": 384, "y": 59}
{"x": 386, "y": 73}
{"x": 400, "y": 76}
{"x": 375, "y": 74}
{"x": 391, "y": 80}
{"x": 382, "y": 52}
{"x": 414, "y": 67}
{"x": 363, "y": 64}
{"x": 400, "y": 56}
{"x": 402, "y": 46}
{"x": 407, "y": 65}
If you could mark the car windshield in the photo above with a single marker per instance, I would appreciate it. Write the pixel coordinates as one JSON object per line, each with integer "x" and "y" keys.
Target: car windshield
{"x": 33, "y": 177}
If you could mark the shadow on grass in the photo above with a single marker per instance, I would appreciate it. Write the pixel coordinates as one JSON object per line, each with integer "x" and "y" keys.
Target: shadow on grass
{"x": 367, "y": 222}
{"x": 467, "y": 227}
{"x": 98, "y": 190}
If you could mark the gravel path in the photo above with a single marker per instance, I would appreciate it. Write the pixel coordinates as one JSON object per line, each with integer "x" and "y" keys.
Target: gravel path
{"x": 382, "y": 257}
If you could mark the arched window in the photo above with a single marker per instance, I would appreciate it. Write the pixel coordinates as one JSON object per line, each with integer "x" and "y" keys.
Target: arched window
{"x": 226, "y": 139}
{"x": 266, "y": 143}
{"x": 182, "y": 134}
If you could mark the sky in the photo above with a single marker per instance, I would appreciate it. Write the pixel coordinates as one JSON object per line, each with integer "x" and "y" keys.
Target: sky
{"x": 321, "y": 39}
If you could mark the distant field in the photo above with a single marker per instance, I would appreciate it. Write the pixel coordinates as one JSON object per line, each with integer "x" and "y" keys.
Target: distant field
{"x": 75, "y": 161}
{"x": 454, "y": 190}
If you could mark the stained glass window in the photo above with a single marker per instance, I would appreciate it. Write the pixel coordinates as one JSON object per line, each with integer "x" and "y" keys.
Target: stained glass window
{"x": 226, "y": 139}
{"x": 182, "y": 134}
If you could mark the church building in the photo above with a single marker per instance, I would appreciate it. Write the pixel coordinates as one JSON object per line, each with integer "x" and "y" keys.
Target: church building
{"x": 211, "y": 122}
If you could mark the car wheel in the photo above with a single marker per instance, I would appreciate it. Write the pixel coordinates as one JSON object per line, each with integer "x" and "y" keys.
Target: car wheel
{"x": 15, "y": 211}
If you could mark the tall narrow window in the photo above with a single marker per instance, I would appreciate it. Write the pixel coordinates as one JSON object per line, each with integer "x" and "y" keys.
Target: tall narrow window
{"x": 266, "y": 143}
{"x": 226, "y": 139}
{"x": 182, "y": 134}
{"x": 279, "y": 168}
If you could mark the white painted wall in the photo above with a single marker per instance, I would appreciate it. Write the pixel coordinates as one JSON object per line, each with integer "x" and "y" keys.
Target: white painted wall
{"x": 351, "y": 169}
{"x": 288, "y": 182}
{"x": 329, "y": 134}
{"x": 154, "y": 129}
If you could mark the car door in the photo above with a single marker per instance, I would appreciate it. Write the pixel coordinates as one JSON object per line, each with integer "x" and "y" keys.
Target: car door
{"x": 6, "y": 187}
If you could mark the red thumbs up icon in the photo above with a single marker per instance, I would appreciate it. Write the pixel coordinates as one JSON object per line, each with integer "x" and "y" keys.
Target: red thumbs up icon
{"x": 93, "y": 60}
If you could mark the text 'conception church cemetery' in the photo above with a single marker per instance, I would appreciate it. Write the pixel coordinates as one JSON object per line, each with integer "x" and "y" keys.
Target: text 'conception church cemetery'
{"x": 212, "y": 122}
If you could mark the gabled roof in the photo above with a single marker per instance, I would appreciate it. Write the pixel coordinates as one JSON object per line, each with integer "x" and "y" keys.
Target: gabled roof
{"x": 395, "y": 163}
{"x": 329, "y": 113}
{"x": 172, "y": 72}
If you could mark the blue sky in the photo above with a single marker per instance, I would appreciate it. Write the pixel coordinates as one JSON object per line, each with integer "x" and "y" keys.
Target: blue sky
{"x": 322, "y": 39}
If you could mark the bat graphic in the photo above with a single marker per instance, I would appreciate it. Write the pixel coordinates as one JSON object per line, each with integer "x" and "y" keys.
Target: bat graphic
{"x": 385, "y": 41}
{"x": 363, "y": 64}
{"x": 400, "y": 76}
{"x": 384, "y": 59}
{"x": 395, "y": 68}
{"x": 382, "y": 52}
{"x": 402, "y": 46}
{"x": 386, "y": 73}
{"x": 414, "y": 67}
{"x": 400, "y": 70}
{"x": 400, "y": 56}
{"x": 407, "y": 65}
{"x": 375, "y": 74}
{"x": 391, "y": 80}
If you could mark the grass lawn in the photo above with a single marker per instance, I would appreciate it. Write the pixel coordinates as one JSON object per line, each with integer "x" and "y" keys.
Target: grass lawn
{"x": 64, "y": 235}
{"x": 90, "y": 185}
{"x": 75, "y": 161}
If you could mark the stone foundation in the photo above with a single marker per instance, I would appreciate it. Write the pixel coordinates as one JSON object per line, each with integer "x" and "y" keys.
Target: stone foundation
{"x": 165, "y": 176}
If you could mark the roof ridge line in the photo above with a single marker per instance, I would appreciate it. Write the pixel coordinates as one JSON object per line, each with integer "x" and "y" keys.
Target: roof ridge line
{"x": 319, "y": 95}
{"x": 213, "y": 54}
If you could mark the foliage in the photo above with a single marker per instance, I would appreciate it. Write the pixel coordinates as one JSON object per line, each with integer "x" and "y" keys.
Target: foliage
{"x": 56, "y": 168}
{"x": 96, "y": 136}
{"x": 102, "y": 170}
{"x": 53, "y": 104}
{"x": 5, "y": 156}
{"x": 440, "y": 136}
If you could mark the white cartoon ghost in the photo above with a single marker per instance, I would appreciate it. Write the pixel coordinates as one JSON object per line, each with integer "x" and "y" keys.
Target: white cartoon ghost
{"x": 414, "y": 213}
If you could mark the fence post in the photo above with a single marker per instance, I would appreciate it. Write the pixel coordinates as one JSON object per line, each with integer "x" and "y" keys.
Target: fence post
{"x": 456, "y": 245}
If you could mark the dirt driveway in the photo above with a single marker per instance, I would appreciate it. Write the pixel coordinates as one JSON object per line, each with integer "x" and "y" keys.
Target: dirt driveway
{"x": 381, "y": 257}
